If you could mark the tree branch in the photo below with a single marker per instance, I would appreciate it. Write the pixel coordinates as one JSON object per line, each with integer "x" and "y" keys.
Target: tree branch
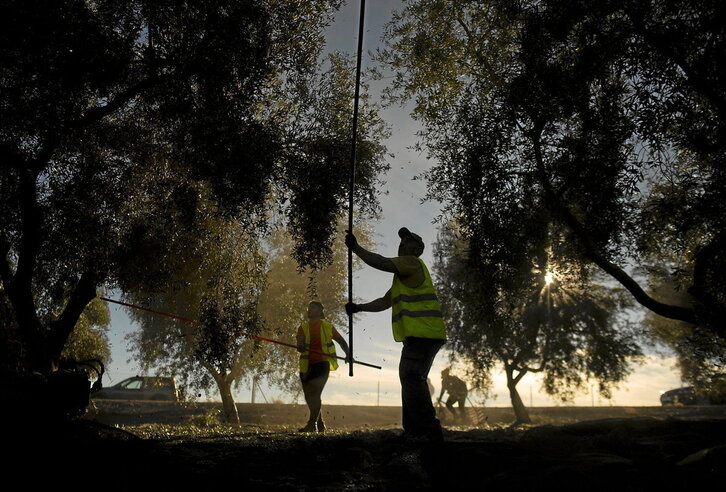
{"x": 463, "y": 25}
{"x": 31, "y": 220}
{"x": 19, "y": 285}
{"x": 93, "y": 115}
{"x": 97, "y": 113}
{"x": 519, "y": 376}
{"x": 209, "y": 367}
{"x": 592, "y": 251}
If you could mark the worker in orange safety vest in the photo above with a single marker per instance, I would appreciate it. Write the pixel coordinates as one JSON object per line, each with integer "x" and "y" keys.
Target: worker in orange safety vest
{"x": 317, "y": 358}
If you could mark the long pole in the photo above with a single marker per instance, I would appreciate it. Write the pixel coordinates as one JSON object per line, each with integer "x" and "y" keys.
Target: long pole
{"x": 249, "y": 335}
{"x": 352, "y": 175}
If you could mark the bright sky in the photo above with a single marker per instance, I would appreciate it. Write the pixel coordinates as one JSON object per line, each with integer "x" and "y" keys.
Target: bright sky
{"x": 402, "y": 207}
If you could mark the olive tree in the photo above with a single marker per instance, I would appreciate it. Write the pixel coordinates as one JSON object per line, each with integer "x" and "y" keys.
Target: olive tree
{"x": 220, "y": 266}
{"x": 549, "y": 322}
{"x": 577, "y": 115}
{"x": 97, "y": 98}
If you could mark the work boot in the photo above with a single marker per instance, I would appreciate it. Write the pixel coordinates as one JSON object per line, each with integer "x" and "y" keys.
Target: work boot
{"x": 321, "y": 425}
{"x": 310, "y": 427}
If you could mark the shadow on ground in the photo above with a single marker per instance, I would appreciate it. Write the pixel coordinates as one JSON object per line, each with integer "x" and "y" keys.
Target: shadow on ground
{"x": 639, "y": 453}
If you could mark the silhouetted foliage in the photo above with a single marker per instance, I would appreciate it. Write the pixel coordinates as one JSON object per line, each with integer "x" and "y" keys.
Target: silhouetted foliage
{"x": 318, "y": 159}
{"x": 700, "y": 353}
{"x": 103, "y": 99}
{"x": 89, "y": 339}
{"x": 219, "y": 285}
{"x": 601, "y": 121}
{"x": 568, "y": 329}
{"x": 283, "y": 303}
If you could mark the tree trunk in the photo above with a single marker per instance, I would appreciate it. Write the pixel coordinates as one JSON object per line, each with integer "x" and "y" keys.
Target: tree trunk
{"x": 41, "y": 345}
{"x": 520, "y": 411}
{"x": 230, "y": 409}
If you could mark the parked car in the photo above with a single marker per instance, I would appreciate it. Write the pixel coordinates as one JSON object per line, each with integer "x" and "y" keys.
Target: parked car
{"x": 683, "y": 396}
{"x": 141, "y": 388}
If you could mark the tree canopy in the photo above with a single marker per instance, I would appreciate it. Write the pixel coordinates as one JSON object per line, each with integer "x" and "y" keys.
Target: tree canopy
{"x": 116, "y": 113}
{"x": 235, "y": 283}
{"x": 593, "y": 129}
{"x": 288, "y": 291}
{"x": 89, "y": 339}
{"x": 554, "y": 323}
{"x": 218, "y": 285}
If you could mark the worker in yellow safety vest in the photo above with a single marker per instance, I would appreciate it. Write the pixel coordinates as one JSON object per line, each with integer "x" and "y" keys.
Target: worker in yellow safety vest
{"x": 417, "y": 323}
{"x": 317, "y": 358}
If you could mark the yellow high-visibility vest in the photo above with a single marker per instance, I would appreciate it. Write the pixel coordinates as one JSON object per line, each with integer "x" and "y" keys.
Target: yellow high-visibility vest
{"x": 415, "y": 310}
{"x": 326, "y": 342}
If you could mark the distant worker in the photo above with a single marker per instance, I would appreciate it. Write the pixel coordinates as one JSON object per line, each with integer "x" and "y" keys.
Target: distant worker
{"x": 457, "y": 392}
{"x": 417, "y": 322}
{"x": 432, "y": 390}
{"x": 317, "y": 358}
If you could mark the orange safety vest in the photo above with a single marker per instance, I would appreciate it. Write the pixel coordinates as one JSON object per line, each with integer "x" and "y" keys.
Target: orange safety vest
{"x": 326, "y": 342}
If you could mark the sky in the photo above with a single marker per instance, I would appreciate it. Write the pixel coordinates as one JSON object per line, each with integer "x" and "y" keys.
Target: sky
{"x": 402, "y": 205}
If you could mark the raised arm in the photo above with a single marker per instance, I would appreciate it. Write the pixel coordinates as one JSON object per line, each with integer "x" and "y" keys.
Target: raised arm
{"x": 370, "y": 258}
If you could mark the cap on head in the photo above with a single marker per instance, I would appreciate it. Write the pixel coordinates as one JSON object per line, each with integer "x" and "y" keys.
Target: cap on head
{"x": 404, "y": 233}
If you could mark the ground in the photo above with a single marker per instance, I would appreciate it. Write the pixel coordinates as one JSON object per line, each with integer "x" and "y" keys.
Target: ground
{"x": 608, "y": 448}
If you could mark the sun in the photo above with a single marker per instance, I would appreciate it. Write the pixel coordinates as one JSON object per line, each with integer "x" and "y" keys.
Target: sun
{"x": 548, "y": 278}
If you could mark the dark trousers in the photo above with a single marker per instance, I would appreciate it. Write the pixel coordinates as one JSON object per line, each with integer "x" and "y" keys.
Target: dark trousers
{"x": 461, "y": 400}
{"x": 419, "y": 415}
{"x": 313, "y": 383}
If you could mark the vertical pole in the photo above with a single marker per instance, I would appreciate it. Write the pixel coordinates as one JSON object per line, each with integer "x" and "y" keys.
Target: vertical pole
{"x": 254, "y": 385}
{"x": 352, "y": 177}
{"x": 378, "y": 398}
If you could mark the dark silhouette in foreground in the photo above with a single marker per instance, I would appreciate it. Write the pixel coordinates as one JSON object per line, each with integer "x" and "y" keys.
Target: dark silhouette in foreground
{"x": 417, "y": 322}
{"x": 642, "y": 453}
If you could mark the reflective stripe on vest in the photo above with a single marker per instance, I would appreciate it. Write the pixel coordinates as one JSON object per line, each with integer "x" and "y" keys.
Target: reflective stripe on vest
{"x": 415, "y": 310}
{"x": 326, "y": 343}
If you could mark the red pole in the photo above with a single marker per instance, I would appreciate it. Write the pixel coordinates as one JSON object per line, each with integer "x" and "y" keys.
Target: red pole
{"x": 250, "y": 335}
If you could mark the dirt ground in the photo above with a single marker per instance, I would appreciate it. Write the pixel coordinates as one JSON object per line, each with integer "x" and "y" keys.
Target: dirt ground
{"x": 149, "y": 446}
{"x": 350, "y": 417}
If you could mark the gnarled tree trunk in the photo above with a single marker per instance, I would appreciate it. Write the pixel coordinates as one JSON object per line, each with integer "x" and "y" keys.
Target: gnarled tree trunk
{"x": 230, "y": 408}
{"x": 520, "y": 411}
